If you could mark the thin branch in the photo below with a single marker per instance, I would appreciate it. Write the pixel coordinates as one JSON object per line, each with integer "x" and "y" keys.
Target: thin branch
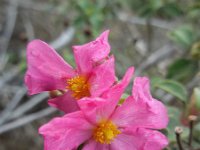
{"x": 35, "y": 6}
{"x": 26, "y": 119}
{"x": 155, "y": 57}
{"x": 7, "y": 76}
{"x": 64, "y": 39}
{"x": 28, "y": 26}
{"x": 12, "y": 104}
{"x": 8, "y": 31}
{"x": 22, "y": 109}
{"x": 141, "y": 21}
{"x": 149, "y": 34}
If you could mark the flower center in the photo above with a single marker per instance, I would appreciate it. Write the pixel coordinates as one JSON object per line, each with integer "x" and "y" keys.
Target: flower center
{"x": 105, "y": 132}
{"x": 79, "y": 87}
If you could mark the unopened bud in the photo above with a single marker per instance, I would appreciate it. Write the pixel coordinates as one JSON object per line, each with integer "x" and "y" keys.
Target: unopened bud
{"x": 192, "y": 118}
{"x": 195, "y": 51}
{"x": 178, "y": 130}
{"x": 55, "y": 93}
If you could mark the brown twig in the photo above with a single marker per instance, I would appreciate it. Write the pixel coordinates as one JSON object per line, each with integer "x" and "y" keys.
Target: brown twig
{"x": 178, "y": 131}
{"x": 192, "y": 119}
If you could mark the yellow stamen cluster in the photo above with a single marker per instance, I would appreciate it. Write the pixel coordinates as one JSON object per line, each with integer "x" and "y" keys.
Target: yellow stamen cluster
{"x": 105, "y": 132}
{"x": 79, "y": 87}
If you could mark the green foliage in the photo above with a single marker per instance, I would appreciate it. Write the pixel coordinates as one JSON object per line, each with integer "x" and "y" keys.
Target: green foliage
{"x": 123, "y": 97}
{"x": 173, "y": 87}
{"x": 196, "y": 98}
{"x": 183, "y": 35}
{"x": 91, "y": 15}
{"x": 182, "y": 69}
{"x": 194, "y": 10}
{"x": 67, "y": 54}
{"x": 161, "y": 8}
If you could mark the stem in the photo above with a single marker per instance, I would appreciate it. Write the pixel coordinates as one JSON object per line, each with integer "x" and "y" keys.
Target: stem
{"x": 191, "y": 118}
{"x": 149, "y": 34}
{"x": 178, "y": 131}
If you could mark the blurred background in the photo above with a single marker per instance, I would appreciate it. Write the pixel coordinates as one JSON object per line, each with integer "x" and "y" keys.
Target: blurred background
{"x": 161, "y": 38}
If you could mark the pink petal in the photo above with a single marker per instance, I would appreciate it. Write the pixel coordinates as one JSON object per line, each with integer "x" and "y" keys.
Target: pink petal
{"x": 141, "y": 111}
{"x": 92, "y": 145}
{"x": 141, "y": 89}
{"x": 88, "y": 54}
{"x": 116, "y": 91}
{"x": 64, "y": 103}
{"x": 102, "y": 77}
{"x": 66, "y": 132}
{"x": 124, "y": 142}
{"x": 97, "y": 108}
{"x": 46, "y": 69}
{"x": 139, "y": 139}
{"x": 142, "y": 97}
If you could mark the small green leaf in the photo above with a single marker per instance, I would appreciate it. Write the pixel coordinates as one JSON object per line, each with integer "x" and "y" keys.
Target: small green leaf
{"x": 123, "y": 98}
{"x": 184, "y": 36}
{"x": 182, "y": 69}
{"x": 174, "y": 88}
{"x": 154, "y": 82}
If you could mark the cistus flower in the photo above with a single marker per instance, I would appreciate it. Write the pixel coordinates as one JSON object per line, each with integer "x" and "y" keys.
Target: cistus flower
{"x": 102, "y": 124}
{"x": 93, "y": 75}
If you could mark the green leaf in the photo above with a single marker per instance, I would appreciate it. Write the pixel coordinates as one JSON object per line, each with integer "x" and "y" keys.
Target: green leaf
{"x": 123, "y": 98}
{"x": 184, "y": 36}
{"x": 182, "y": 69}
{"x": 174, "y": 88}
{"x": 196, "y": 96}
{"x": 170, "y": 10}
{"x": 154, "y": 82}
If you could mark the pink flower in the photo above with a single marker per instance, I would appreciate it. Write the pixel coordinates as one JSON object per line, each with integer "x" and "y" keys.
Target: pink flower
{"x": 47, "y": 71}
{"x": 102, "y": 125}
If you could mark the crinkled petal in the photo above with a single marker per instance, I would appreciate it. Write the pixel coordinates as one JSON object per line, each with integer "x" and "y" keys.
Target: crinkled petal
{"x": 46, "y": 69}
{"x": 64, "y": 103}
{"x": 102, "y": 77}
{"x": 92, "y": 145}
{"x": 97, "y": 108}
{"x": 141, "y": 112}
{"x": 66, "y": 132}
{"x": 139, "y": 139}
{"x": 88, "y": 54}
{"x": 116, "y": 91}
{"x": 141, "y": 89}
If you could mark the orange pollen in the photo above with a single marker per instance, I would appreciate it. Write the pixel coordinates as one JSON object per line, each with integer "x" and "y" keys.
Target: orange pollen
{"x": 105, "y": 132}
{"x": 79, "y": 87}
